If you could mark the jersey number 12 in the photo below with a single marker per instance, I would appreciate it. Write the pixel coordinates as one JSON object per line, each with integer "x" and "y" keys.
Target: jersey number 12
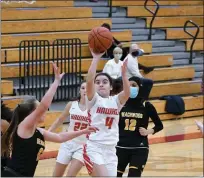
{"x": 130, "y": 124}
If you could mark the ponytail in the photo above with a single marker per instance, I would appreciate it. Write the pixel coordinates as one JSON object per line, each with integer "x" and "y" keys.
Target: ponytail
{"x": 7, "y": 138}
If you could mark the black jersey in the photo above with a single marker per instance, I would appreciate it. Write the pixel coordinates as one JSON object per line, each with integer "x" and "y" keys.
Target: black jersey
{"x": 131, "y": 119}
{"x": 26, "y": 153}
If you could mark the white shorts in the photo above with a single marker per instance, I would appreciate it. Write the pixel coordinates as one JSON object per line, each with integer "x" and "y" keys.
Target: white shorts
{"x": 100, "y": 154}
{"x": 68, "y": 151}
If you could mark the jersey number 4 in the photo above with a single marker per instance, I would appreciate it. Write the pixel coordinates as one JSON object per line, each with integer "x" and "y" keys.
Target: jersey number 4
{"x": 80, "y": 126}
{"x": 109, "y": 122}
{"x": 130, "y": 124}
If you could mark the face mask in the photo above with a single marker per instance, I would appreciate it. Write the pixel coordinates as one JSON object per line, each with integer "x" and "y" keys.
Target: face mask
{"x": 117, "y": 56}
{"x": 139, "y": 52}
{"x": 134, "y": 92}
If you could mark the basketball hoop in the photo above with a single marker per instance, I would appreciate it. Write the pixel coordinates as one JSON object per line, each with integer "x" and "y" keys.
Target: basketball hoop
{"x": 28, "y": 1}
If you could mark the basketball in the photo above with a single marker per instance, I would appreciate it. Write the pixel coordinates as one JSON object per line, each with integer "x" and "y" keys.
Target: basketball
{"x": 100, "y": 39}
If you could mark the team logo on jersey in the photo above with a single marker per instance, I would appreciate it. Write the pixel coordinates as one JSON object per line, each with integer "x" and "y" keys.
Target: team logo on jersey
{"x": 110, "y": 111}
{"x": 80, "y": 118}
{"x": 132, "y": 114}
{"x": 40, "y": 142}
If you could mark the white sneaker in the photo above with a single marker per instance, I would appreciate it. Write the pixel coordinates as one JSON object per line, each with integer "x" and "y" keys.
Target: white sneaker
{"x": 199, "y": 125}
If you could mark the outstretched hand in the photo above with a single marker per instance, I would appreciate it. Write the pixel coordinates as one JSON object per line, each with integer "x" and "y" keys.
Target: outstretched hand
{"x": 124, "y": 67}
{"x": 90, "y": 129}
{"x": 96, "y": 55}
{"x": 58, "y": 76}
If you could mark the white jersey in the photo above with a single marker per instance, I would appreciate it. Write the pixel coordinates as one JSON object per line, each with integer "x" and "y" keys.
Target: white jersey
{"x": 78, "y": 120}
{"x": 104, "y": 114}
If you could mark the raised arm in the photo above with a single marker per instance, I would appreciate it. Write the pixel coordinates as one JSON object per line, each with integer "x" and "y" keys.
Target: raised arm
{"x": 90, "y": 88}
{"x": 125, "y": 94}
{"x": 32, "y": 120}
{"x": 61, "y": 119}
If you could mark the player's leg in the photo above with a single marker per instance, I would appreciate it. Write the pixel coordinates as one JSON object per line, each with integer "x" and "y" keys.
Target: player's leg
{"x": 63, "y": 159}
{"x": 94, "y": 160}
{"x": 123, "y": 160}
{"x": 77, "y": 161}
{"x": 74, "y": 168}
{"x": 138, "y": 162}
{"x": 111, "y": 160}
{"x": 59, "y": 169}
{"x": 99, "y": 170}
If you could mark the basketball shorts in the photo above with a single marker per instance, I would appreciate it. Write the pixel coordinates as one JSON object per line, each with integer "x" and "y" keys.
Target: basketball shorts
{"x": 95, "y": 153}
{"x": 136, "y": 158}
{"x": 68, "y": 151}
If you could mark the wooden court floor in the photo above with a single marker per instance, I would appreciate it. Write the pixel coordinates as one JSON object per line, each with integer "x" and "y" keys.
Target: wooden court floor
{"x": 181, "y": 158}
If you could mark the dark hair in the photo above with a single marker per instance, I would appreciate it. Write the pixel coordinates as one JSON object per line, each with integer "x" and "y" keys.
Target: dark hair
{"x": 106, "y": 25}
{"x": 107, "y": 75}
{"x": 19, "y": 114}
{"x": 145, "y": 85}
{"x": 77, "y": 98}
{"x": 117, "y": 86}
{"x": 6, "y": 113}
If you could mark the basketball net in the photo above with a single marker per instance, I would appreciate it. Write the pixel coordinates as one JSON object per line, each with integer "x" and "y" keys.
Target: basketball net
{"x": 13, "y": 1}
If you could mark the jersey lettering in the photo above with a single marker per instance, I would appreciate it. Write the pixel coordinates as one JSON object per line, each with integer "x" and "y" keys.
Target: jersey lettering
{"x": 39, "y": 153}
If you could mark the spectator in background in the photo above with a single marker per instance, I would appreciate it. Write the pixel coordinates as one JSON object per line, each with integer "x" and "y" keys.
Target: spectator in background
{"x": 132, "y": 67}
{"x": 116, "y": 43}
{"x": 113, "y": 66}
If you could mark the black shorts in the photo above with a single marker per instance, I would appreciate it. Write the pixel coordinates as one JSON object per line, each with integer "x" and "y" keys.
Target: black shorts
{"x": 8, "y": 172}
{"x": 134, "y": 157}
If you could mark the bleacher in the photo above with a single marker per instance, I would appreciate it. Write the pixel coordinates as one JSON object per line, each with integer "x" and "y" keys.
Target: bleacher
{"x": 168, "y": 51}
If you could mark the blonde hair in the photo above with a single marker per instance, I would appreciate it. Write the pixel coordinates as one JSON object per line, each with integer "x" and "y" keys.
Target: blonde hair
{"x": 117, "y": 49}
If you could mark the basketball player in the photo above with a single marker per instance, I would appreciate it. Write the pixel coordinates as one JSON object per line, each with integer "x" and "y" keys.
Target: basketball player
{"x": 24, "y": 141}
{"x": 72, "y": 151}
{"x": 6, "y": 115}
{"x": 133, "y": 147}
{"x": 100, "y": 152}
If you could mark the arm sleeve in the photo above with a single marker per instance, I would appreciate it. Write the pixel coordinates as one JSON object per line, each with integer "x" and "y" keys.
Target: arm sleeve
{"x": 133, "y": 67}
{"x": 154, "y": 116}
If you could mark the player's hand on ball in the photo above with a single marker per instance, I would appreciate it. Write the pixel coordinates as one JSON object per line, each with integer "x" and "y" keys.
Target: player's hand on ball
{"x": 90, "y": 129}
{"x": 96, "y": 55}
{"x": 143, "y": 131}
